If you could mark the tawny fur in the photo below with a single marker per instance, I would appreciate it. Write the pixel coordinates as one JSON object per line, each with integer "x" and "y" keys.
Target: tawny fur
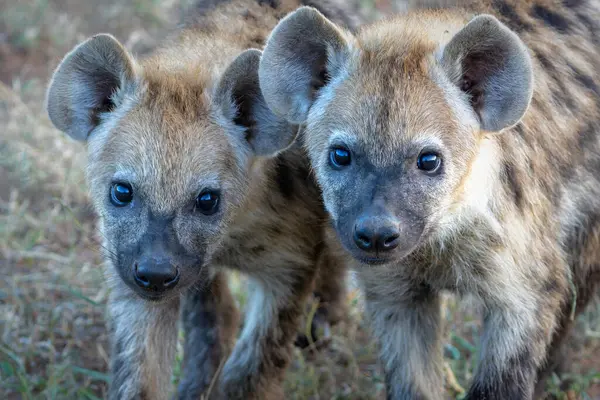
{"x": 161, "y": 125}
{"x": 513, "y": 222}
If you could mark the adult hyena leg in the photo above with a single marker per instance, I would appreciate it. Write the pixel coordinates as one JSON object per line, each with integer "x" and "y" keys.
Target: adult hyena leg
{"x": 143, "y": 341}
{"x": 256, "y": 367}
{"x": 210, "y": 323}
{"x": 407, "y": 324}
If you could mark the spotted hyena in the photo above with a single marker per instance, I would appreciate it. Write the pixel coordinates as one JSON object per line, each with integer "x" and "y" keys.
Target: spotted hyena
{"x": 457, "y": 149}
{"x": 191, "y": 174}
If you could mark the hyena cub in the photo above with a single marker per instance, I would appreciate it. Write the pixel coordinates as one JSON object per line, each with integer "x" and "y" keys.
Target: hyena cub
{"x": 190, "y": 173}
{"x": 454, "y": 154}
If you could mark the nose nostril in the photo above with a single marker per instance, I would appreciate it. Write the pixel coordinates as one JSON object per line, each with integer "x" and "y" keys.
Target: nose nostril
{"x": 141, "y": 279}
{"x": 391, "y": 240}
{"x": 362, "y": 240}
{"x": 172, "y": 279}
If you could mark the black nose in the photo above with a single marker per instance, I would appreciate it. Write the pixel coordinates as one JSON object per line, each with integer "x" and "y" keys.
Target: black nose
{"x": 376, "y": 234}
{"x": 156, "y": 277}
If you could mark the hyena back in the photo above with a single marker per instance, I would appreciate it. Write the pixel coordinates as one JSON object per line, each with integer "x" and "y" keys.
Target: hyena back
{"x": 457, "y": 149}
{"x": 191, "y": 173}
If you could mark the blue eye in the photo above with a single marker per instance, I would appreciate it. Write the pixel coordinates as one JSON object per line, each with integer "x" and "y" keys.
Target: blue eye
{"x": 339, "y": 157}
{"x": 121, "y": 194}
{"x": 207, "y": 202}
{"x": 429, "y": 162}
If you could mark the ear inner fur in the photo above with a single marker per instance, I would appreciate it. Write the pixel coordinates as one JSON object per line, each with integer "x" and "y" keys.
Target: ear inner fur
{"x": 302, "y": 53}
{"x": 84, "y": 83}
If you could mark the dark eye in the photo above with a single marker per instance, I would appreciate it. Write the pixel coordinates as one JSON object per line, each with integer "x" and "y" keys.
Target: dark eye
{"x": 429, "y": 162}
{"x": 121, "y": 194}
{"x": 207, "y": 202}
{"x": 339, "y": 157}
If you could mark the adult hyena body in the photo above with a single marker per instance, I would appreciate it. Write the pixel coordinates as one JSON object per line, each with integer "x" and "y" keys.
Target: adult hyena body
{"x": 456, "y": 154}
{"x": 190, "y": 173}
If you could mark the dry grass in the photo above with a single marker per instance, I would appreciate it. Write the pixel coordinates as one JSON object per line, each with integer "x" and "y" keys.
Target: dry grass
{"x": 52, "y": 335}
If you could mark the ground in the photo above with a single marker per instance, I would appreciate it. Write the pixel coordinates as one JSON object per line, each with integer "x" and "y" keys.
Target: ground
{"x": 53, "y": 340}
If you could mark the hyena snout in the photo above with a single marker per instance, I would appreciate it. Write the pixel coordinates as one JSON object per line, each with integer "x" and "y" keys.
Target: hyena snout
{"x": 155, "y": 275}
{"x": 376, "y": 232}
{"x": 157, "y": 263}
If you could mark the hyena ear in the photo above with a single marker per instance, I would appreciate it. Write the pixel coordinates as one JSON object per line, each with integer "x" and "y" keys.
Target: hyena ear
{"x": 303, "y": 53}
{"x": 491, "y": 64}
{"x": 240, "y": 101}
{"x": 84, "y": 83}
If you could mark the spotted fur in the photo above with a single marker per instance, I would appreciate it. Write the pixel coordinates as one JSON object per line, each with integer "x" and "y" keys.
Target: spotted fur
{"x": 190, "y": 117}
{"x": 506, "y": 93}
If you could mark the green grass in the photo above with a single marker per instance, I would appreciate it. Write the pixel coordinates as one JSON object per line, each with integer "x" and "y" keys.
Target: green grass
{"x": 53, "y": 342}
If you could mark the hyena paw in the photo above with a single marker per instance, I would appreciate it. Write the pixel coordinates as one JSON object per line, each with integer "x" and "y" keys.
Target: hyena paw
{"x": 320, "y": 333}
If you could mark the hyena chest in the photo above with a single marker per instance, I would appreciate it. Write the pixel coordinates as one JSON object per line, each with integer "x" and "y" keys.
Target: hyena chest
{"x": 462, "y": 266}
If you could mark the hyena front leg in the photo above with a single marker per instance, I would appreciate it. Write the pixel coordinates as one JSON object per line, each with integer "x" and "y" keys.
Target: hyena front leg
{"x": 586, "y": 278}
{"x": 210, "y": 322}
{"x": 557, "y": 359}
{"x": 517, "y": 334}
{"x": 408, "y": 328}
{"x": 330, "y": 292}
{"x": 256, "y": 367}
{"x": 143, "y": 341}
{"x": 330, "y": 288}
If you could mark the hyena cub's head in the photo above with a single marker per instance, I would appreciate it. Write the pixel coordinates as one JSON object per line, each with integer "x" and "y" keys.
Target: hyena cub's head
{"x": 169, "y": 154}
{"x": 395, "y": 116}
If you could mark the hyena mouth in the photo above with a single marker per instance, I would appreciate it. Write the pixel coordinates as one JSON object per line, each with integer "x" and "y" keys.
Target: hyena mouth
{"x": 155, "y": 298}
{"x": 374, "y": 260}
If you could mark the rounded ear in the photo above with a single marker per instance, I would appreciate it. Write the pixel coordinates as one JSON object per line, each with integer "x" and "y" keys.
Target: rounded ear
{"x": 303, "y": 52}
{"x": 240, "y": 101}
{"x": 490, "y": 63}
{"x": 84, "y": 83}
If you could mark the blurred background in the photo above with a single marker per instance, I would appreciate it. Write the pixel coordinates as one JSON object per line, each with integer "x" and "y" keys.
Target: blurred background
{"x": 53, "y": 342}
